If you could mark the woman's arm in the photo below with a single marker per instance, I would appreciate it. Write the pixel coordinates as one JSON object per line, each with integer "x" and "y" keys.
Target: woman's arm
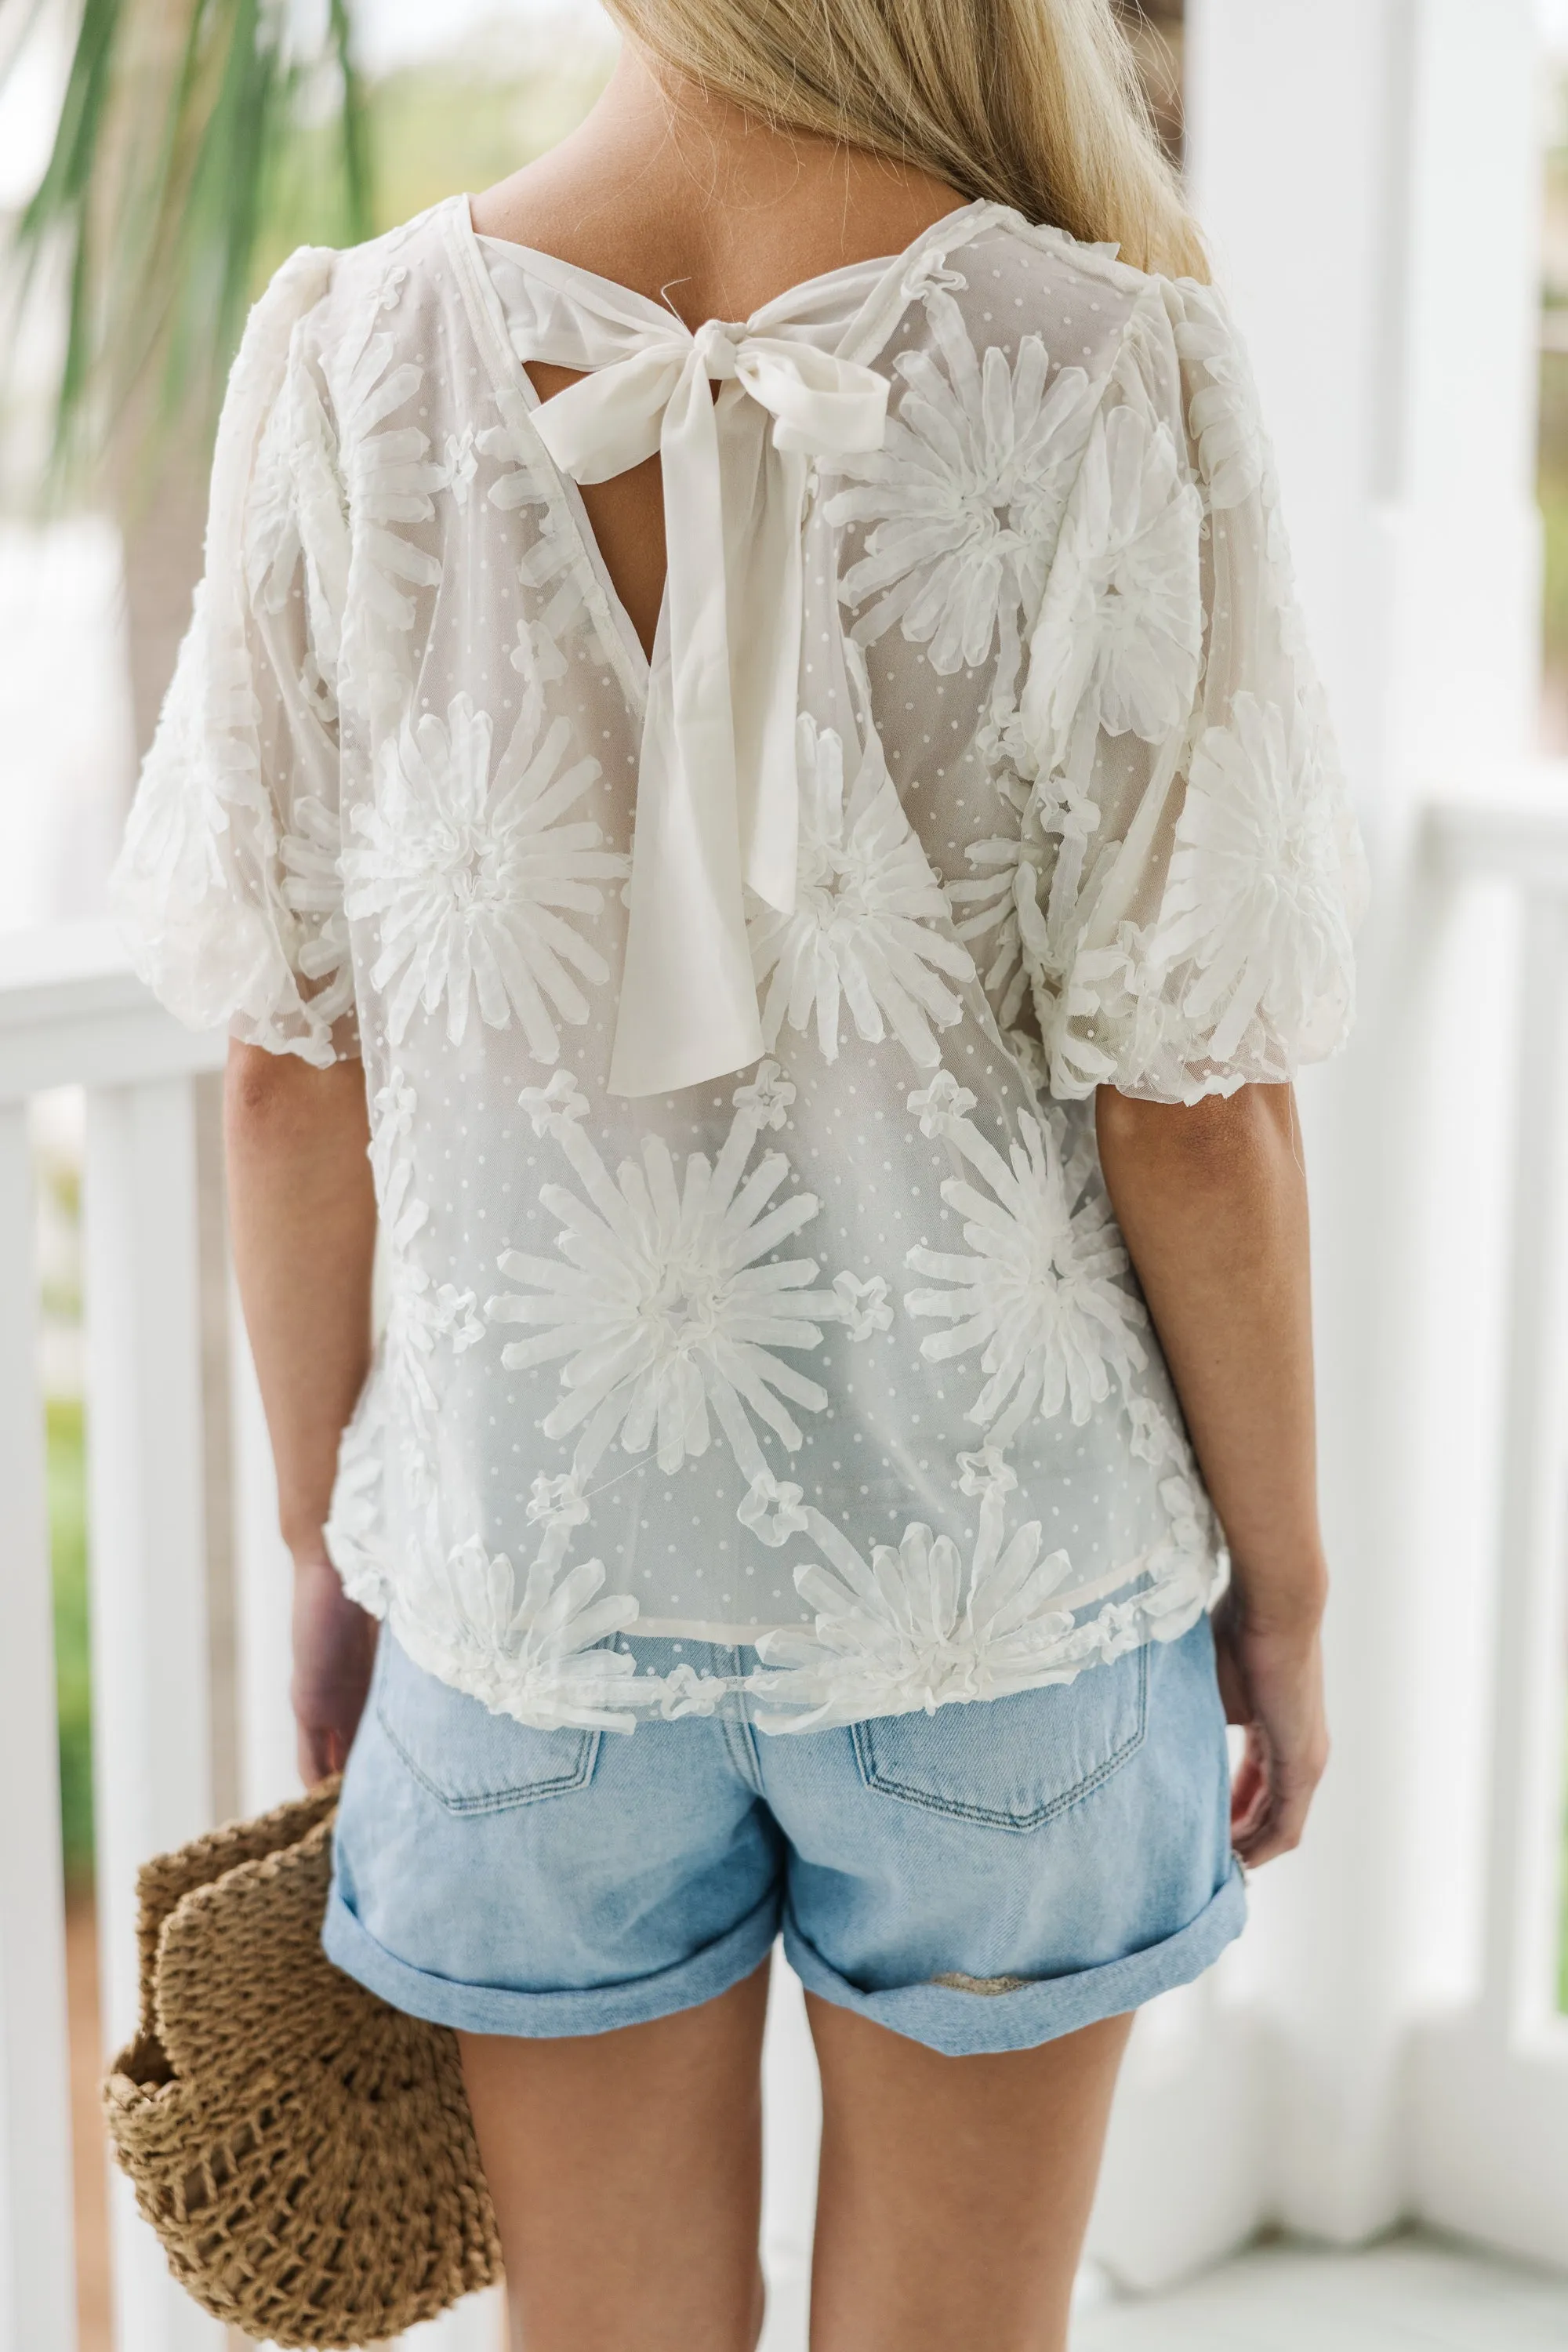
{"x": 1212, "y": 1202}
{"x": 302, "y": 1218}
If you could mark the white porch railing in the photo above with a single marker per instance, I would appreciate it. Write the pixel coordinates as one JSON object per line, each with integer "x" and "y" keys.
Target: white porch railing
{"x": 1489, "y": 2110}
{"x": 1491, "y": 2105}
{"x": 71, "y": 1013}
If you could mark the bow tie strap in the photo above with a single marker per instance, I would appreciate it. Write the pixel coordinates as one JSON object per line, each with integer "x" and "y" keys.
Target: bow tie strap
{"x": 610, "y": 420}
{"x": 718, "y": 792}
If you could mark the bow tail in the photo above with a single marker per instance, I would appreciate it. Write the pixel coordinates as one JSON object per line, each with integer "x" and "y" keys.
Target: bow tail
{"x": 765, "y": 500}
{"x": 689, "y": 1002}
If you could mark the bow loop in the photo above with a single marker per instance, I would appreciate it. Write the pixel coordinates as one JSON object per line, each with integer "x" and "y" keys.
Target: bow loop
{"x": 610, "y": 420}
{"x": 717, "y": 785}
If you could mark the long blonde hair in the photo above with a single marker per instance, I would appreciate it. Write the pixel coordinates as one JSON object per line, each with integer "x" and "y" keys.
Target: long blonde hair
{"x": 1036, "y": 103}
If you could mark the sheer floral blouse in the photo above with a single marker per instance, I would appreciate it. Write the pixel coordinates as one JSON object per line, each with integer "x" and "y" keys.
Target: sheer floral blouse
{"x": 749, "y": 1273}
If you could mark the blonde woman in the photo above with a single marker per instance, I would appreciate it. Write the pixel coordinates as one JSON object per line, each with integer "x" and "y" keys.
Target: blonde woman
{"x": 844, "y": 1298}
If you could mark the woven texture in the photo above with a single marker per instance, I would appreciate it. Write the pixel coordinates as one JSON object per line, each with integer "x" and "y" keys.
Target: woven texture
{"x": 304, "y": 2151}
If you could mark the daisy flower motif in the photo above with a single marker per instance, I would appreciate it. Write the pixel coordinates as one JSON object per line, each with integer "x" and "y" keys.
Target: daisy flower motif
{"x": 1223, "y": 414}
{"x": 863, "y": 1304}
{"x": 981, "y": 1471}
{"x": 670, "y": 1311}
{"x": 919, "y": 1627}
{"x": 388, "y": 481}
{"x": 861, "y": 935}
{"x": 535, "y": 1655}
{"x": 459, "y": 464}
{"x": 1256, "y": 901}
{"x": 1004, "y": 901}
{"x": 421, "y": 1315}
{"x": 772, "y": 1509}
{"x": 768, "y": 1099}
{"x": 1120, "y": 637}
{"x": 966, "y": 494}
{"x": 470, "y": 877}
{"x": 556, "y": 605}
{"x": 392, "y": 1113}
{"x": 683, "y": 1692}
{"x": 936, "y": 1104}
{"x": 562, "y": 1099}
{"x": 547, "y": 571}
{"x": 551, "y": 1500}
{"x": 1041, "y": 1295}
{"x": 514, "y": 443}
{"x": 312, "y": 888}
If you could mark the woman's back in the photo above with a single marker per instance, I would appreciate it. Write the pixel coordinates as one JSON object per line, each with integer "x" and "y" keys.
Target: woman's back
{"x": 747, "y": 1219}
{"x": 749, "y": 713}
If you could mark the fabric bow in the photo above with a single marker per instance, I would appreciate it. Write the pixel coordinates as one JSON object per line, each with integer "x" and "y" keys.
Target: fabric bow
{"x": 717, "y": 793}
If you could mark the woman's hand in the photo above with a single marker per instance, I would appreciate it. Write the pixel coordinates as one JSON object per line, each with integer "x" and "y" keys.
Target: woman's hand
{"x": 1271, "y": 1680}
{"x": 334, "y": 1649}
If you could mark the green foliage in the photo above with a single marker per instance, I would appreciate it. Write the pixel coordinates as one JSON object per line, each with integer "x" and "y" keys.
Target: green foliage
{"x": 195, "y": 149}
{"x": 179, "y": 124}
{"x": 1551, "y": 490}
{"x": 73, "y": 1679}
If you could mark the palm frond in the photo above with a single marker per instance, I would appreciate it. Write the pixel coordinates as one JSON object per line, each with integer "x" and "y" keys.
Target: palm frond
{"x": 180, "y": 121}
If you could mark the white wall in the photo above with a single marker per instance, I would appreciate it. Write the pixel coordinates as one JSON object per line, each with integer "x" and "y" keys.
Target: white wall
{"x": 1369, "y": 172}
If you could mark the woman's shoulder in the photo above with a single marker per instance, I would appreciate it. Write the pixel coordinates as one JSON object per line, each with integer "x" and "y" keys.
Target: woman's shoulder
{"x": 337, "y": 290}
{"x": 1011, "y": 266}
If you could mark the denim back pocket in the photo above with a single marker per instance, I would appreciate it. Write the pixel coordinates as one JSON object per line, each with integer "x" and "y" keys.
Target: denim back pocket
{"x": 470, "y": 1760}
{"x": 1012, "y": 1763}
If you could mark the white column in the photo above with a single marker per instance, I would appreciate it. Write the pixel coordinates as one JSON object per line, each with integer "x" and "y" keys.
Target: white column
{"x": 1369, "y": 172}
{"x": 152, "y": 1746}
{"x": 37, "y": 2291}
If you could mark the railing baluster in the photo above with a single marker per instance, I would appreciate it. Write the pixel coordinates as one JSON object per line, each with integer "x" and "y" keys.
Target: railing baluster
{"x": 1527, "y": 1693}
{"x": 153, "y": 1759}
{"x": 37, "y": 2294}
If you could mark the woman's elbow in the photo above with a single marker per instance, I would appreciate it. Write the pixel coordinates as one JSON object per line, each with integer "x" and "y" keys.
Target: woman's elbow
{"x": 268, "y": 1094}
{"x": 1216, "y": 1139}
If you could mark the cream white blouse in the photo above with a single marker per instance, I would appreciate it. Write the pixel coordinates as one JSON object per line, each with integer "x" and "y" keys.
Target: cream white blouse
{"x": 750, "y": 1276}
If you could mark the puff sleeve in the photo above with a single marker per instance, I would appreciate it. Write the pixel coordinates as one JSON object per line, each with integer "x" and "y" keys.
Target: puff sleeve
{"x": 1199, "y": 872}
{"x": 227, "y": 886}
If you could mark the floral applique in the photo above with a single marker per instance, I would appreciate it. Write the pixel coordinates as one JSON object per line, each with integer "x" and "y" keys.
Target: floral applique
{"x": 1255, "y": 903}
{"x": 542, "y": 1654}
{"x": 471, "y": 878}
{"x": 1120, "y": 637}
{"x": 1042, "y": 1295}
{"x": 389, "y": 480}
{"x": 862, "y": 936}
{"x": 669, "y": 1310}
{"x": 967, "y": 493}
{"x": 918, "y": 1627}
{"x": 1068, "y": 816}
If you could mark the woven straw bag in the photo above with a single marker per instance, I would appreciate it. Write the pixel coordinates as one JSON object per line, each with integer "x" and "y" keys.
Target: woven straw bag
{"x": 304, "y": 2151}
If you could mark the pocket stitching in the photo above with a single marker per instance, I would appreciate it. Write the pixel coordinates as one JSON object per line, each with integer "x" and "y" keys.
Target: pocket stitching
{"x": 497, "y": 1800}
{"x": 885, "y": 1786}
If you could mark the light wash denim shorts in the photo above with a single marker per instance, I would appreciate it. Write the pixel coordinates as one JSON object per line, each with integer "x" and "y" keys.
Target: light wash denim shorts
{"x": 981, "y": 1879}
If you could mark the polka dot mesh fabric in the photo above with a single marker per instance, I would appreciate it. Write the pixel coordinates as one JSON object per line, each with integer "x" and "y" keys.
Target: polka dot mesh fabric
{"x": 836, "y": 1356}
